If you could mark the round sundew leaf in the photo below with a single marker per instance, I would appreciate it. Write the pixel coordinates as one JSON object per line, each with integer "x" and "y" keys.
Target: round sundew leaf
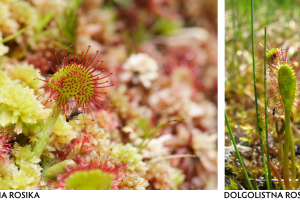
{"x": 80, "y": 79}
{"x": 90, "y": 180}
{"x": 74, "y": 81}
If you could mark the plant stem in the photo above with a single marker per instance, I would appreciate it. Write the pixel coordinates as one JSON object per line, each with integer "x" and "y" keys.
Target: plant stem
{"x": 277, "y": 175}
{"x": 231, "y": 66}
{"x": 256, "y": 106}
{"x": 293, "y": 159}
{"x": 159, "y": 126}
{"x": 253, "y": 177}
{"x": 289, "y": 144}
{"x": 42, "y": 142}
{"x": 266, "y": 110}
{"x": 286, "y": 161}
{"x": 298, "y": 182}
{"x": 237, "y": 152}
{"x": 279, "y": 133}
{"x": 12, "y": 36}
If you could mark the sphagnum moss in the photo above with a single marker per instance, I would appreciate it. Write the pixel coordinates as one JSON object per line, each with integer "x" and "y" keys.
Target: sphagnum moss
{"x": 18, "y": 105}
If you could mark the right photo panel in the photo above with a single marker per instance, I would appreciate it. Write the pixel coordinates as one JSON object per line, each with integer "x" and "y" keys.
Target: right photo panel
{"x": 262, "y": 111}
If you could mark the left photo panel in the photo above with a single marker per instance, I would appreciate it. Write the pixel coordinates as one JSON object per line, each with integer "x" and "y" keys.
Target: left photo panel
{"x": 108, "y": 95}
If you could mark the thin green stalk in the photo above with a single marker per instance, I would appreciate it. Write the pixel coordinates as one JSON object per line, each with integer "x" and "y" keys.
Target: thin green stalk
{"x": 12, "y": 36}
{"x": 256, "y": 106}
{"x": 289, "y": 144}
{"x": 293, "y": 161}
{"x": 253, "y": 177}
{"x": 298, "y": 182}
{"x": 155, "y": 129}
{"x": 237, "y": 152}
{"x": 231, "y": 69}
{"x": 235, "y": 57}
{"x": 142, "y": 147}
{"x": 268, "y": 11}
{"x": 287, "y": 140}
{"x": 42, "y": 142}
{"x": 266, "y": 111}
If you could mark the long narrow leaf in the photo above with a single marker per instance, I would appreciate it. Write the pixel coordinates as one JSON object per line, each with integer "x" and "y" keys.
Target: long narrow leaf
{"x": 237, "y": 152}
{"x": 253, "y": 177}
{"x": 266, "y": 110}
{"x": 256, "y": 106}
{"x": 159, "y": 126}
{"x": 142, "y": 147}
{"x": 12, "y": 36}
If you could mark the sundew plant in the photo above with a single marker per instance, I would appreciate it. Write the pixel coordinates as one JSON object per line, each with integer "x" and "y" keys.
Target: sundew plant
{"x": 261, "y": 144}
{"x": 108, "y": 95}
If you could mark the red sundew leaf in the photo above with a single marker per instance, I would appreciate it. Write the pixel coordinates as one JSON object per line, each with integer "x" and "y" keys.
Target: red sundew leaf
{"x": 76, "y": 79}
{"x": 6, "y": 135}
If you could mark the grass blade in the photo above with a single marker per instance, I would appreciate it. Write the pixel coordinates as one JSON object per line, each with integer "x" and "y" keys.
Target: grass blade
{"x": 266, "y": 110}
{"x": 12, "y": 36}
{"x": 142, "y": 147}
{"x": 155, "y": 129}
{"x": 253, "y": 177}
{"x": 237, "y": 152}
{"x": 256, "y": 106}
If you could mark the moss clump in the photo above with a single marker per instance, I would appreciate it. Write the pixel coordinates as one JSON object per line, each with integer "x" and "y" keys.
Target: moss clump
{"x": 18, "y": 104}
{"x": 128, "y": 155}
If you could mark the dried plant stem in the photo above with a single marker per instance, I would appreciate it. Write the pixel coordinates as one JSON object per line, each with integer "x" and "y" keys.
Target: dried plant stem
{"x": 275, "y": 172}
{"x": 277, "y": 175}
{"x": 278, "y": 132}
{"x": 42, "y": 142}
